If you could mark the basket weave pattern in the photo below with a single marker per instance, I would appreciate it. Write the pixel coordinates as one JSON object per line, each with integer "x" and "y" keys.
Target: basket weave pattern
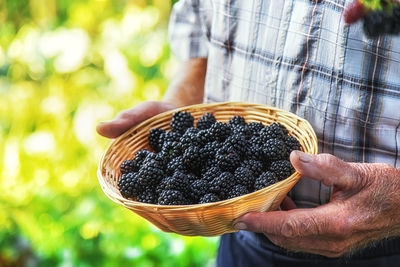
{"x": 209, "y": 219}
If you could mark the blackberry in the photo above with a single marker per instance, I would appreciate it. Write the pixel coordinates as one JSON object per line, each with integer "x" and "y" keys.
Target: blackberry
{"x": 242, "y": 131}
{"x": 154, "y": 139}
{"x": 274, "y": 149}
{"x": 141, "y": 155}
{"x": 265, "y": 179}
{"x": 176, "y": 164}
{"x": 181, "y": 121}
{"x": 198, "y": 189}
{"x": 128, "y": 166}
{"x": 147, "y": 196}
{"x": 208, "y": 198}
{"x": 211, "y": 173}
{"x": 255, "y": 166}
{"x": 189, "y": 138}
{"x": 255, "y": 128}
{"x": 227, "y": 159}
{"x": 282, "y": 168}
{"x": 208, "y": 151}
{"x": 237, "y": 143}
{"x": 204, "y": 137}
{"x": 206, "y": 121}
{"x": 176, "y": 182}
{"x": 220, "y": 131}
{"x": 171, "y": 150}
{"x": 130, "y": 185}
{"x": 171, "y": 197}
{"x": 292, "y": 144}
{"x": 169, "y": 137}
{"x": 275, "y": 130}
{"x": 222, "y": 184}
{"x": 377, "y": 23}
{"x": 191, "y": 158}
{"x": 151, "y": 173}
{"x": 237, "y": 121}
{"x": 396, "y": 20}
{"x": 238, "y": 190}
{"x": 244, "y": 177}
{"x": 254, "y": 152}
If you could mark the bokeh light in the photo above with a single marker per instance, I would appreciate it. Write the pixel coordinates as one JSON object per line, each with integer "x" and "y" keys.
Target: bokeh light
{"x": 66, "y": 65}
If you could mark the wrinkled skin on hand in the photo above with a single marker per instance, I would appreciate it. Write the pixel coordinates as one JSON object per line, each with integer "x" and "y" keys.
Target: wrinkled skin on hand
{"x": 364, "y": 207}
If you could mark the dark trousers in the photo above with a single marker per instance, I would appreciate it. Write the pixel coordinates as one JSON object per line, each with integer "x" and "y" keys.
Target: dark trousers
{"x": 249, "y": 249}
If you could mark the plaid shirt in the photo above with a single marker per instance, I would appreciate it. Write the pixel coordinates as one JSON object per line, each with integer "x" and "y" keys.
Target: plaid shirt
{"x": 300, "y": 56}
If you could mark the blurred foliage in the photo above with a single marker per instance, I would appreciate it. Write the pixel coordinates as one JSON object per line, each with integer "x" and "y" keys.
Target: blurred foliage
{"x": 65, "y": 65}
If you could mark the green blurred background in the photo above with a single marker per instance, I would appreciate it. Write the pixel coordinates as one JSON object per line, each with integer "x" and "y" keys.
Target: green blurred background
{"x": 65, "y": 65}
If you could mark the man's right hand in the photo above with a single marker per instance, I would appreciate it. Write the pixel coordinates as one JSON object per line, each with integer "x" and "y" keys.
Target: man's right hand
{"x": 128, "y": 118}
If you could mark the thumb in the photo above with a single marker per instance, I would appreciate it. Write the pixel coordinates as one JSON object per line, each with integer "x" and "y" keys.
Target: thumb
{"x": 326, "y": 168}
{"x": 131, "y": 117}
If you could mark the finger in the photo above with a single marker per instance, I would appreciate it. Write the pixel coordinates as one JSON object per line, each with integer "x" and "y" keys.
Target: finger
{"x": 131, "y": 117}
{"x": 323, "y": 220}
{"x": 326, "y": 168}
{"x": 288, "y": 204}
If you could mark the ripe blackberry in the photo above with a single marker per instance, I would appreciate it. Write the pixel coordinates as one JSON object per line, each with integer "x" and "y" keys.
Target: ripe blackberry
{"x": 282, "y": 168}
{"x": 227, "y": 159}
{"x": 222, "y": 184}
{"x": 211, "y": 173}
{"x": 171, "y": 197}
{"x": 237, "y": 143}
{"x": 148, "y": 196}
{"x": 191, "y": 158}
{"x": 254, "y": 152}
{"x": 169, "y": 137}
{"x": 206, "y": 121}
{"x": 141, "y": 155}
{"x": 292, "y": 144}
{"x": 208, "y": 150}
{"x": 189, "y": 138}
{"x": 275, "y": 130}
{"x": 220, "y": 131}
{"x": 198, "y": 189}
{"x": 204, "y": 137}
{"x": 255, "y": 128}
{"x": 176, "y": 164}
{"x": 208, "y": 198}
{"x": 151, "y": 173}
{"x": 242, "y": 131}
{"x": 377, "y": 23}
{"x": 171, "y": 150}
{"x": 255, "y": 166}
{"x": 274, "y": 149}
{"x": 265, "y": 179}
{"x": 128, "y": 166}
{"x": 154, "y": 139}
{"x": 176, "y": 182}
{"x": 238, "y": 190}
{"x": 244, "y": 177}
{"x": 181, "y": 121}
{"x": 237, "y": 121}
{"x": 130, "y": 185}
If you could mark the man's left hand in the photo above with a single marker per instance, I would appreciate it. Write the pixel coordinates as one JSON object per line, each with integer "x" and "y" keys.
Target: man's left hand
{"x": 364, "y": 207}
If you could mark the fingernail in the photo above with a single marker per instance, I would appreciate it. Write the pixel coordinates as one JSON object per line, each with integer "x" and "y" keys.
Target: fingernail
{"x": 304, "y": 157}
{"x": 240, "y": 226}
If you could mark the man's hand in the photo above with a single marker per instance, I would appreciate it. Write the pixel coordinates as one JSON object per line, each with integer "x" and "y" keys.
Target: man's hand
{"x": 364, "y": 207}
{"x": 130, "y": 117}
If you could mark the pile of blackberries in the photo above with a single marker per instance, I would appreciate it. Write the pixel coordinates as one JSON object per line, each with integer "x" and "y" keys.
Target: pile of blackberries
{"x": 208, "y": 163}
{"x": 379, "y": 16}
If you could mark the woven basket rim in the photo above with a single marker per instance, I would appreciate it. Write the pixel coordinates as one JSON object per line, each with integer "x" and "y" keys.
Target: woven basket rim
{"x": 119, "y": 199}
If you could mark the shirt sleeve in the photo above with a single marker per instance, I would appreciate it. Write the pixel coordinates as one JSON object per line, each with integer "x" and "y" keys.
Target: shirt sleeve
{"x": 188, "y": 30}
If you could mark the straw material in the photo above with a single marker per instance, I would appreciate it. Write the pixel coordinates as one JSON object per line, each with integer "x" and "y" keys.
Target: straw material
{"x": 209, "y": 219}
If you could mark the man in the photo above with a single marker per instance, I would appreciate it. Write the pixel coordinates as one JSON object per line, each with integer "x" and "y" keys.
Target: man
{"x": 300, "y": 56}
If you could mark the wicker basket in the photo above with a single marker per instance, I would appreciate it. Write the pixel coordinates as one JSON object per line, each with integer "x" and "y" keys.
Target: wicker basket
{"x": 209, "y": 219}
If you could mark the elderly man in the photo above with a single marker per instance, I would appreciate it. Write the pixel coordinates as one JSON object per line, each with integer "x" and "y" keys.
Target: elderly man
{"x": 299, "y": 55}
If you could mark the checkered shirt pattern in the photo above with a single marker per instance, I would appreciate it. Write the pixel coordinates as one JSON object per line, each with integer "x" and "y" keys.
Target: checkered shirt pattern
{"x": 300, "y": 56}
